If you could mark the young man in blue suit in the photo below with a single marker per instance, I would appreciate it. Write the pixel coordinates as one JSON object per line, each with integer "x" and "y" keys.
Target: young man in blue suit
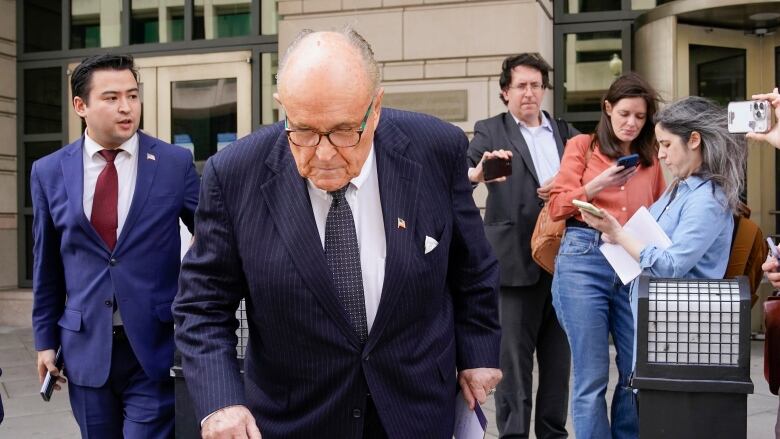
{"x": 371, "y": 290}
{"x": 106, "y": 257}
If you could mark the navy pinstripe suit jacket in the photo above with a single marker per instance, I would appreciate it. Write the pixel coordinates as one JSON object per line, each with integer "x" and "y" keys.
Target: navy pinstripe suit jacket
{"x": 305, "y": 373}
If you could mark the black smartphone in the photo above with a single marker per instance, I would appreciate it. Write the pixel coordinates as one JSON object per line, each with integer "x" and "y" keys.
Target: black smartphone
{"x": 495, "y": 168}
{"x": 628, "y": 161}
{"x": 48, "y": 383}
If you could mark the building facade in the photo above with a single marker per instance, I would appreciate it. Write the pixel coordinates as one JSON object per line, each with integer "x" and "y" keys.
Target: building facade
{"x": 207, "y": 72}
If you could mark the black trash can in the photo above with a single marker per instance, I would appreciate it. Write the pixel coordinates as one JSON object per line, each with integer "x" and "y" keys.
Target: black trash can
{"x": 693, "y": 358}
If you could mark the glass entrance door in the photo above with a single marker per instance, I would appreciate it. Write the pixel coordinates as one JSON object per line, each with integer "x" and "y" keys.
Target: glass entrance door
{"x": 728, "y": 65}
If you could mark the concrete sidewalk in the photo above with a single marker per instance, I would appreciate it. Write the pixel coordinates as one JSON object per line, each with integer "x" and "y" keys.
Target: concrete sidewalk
{"x": 27, "y": 416}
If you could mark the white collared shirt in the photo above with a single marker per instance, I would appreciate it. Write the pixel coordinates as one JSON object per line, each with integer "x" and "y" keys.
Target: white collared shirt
{"x": 541, "y": 144}
{"x": 363, "y": 199}
{"x": 126, "y": 164}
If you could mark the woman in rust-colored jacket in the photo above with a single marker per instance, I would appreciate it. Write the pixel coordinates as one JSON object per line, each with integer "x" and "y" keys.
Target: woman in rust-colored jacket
{"x": 590, "y": 300}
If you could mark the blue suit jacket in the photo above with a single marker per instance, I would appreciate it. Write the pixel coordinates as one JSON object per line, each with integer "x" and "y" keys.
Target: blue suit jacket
{"x": 76, "y": 277}
{"x": 305, "y": 369}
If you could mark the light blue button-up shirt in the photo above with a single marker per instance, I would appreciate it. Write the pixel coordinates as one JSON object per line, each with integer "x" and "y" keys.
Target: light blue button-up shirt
{"x": 542, "y": 146}
{"x": 700, "y": 226}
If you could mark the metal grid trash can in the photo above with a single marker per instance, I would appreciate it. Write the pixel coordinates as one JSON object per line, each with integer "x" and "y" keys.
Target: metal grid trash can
{"x": 186, "y": 424}
{"x": 693, "y": 358}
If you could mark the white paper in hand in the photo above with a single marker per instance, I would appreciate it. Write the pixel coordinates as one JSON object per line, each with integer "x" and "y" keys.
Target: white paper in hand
{"x": 469, "y": 424}
{"x": 644, "y": 228}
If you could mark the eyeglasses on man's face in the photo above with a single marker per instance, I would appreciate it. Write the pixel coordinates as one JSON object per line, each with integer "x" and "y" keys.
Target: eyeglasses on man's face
{"x": 338, "y": 138}
{"x": 533, "y": 86}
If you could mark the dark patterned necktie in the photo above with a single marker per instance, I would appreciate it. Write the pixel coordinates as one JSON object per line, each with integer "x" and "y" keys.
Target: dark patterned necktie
{"x": 343, "y": 256}
{"x": 104, "y": 211}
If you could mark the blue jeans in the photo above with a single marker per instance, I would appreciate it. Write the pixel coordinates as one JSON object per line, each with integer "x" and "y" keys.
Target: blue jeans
{"x": 591, "y": 303}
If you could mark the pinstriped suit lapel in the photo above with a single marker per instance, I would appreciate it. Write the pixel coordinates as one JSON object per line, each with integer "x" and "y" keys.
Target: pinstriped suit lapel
{"x": 399, "y": 180}
{"x": 288, "y": 202}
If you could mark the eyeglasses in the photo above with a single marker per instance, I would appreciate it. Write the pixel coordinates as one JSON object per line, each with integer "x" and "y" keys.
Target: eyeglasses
{"x": 534, "y": 86}
{"x": 337, "y": 138}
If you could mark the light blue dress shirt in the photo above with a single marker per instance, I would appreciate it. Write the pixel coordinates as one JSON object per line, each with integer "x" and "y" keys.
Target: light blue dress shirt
{"x": 542, "y": 146}
{"x": 700, "y": 226}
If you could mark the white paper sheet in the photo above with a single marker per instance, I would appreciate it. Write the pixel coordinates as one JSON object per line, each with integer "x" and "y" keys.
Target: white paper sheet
{"x": 469, "y": 424}
{"x": 643, "y": 227}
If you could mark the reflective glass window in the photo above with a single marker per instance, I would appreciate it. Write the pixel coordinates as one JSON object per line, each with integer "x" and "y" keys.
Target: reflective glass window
{"x": 592, "y": 61}
{"x": 42, "y": 14}
{"x": 43, "y": 100}
{"x": 222, "y": 20}
{"x": 718, "y": 73}
{"x": 578, "y": 6}
{"x": 204, "y": 116}
{"x": 95, "y": 23}
{"x": 156, "y": 21}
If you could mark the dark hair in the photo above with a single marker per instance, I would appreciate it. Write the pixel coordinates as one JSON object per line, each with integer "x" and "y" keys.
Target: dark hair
{"x": 630, "y": 85}
{"x": 531, "y": 60}
{"x": 723, "y": 154}
{"x": 81, "y": 79}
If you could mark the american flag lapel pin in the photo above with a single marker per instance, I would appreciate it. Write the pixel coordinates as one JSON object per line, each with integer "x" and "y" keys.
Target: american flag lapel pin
{"x": 150, "y": 156}
{"x": 401, "y": 224}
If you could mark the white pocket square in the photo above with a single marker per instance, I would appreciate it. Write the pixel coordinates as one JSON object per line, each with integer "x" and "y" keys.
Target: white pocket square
{"x": 430, "y": 244}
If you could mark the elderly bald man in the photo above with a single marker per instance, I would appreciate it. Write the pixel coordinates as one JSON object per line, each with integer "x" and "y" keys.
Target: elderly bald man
{"x": 370, "y": 287}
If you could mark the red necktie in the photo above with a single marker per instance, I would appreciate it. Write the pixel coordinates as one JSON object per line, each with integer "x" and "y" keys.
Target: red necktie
{"x": 104, "y": 211}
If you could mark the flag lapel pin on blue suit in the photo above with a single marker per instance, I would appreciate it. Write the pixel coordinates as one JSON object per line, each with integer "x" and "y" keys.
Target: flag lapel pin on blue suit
{"x": 150, "y": 156}
{"x": 401, "y": 224}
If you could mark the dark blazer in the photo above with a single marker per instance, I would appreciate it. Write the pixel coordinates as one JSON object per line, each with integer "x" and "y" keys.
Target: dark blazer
{"x": 512, "y": 206}
{"x": 306, "y": 374}
{"x": 76, "y": 277}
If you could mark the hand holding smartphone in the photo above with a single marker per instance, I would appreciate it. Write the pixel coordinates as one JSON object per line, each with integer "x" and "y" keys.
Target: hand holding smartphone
{"x": 496, "y": 168}
{"x": 628, "y": 161}
{"x": 773, "y": 250}
{"x": 587, "y": 207}
{"x": 749, "y": 116}
{"x": 48, "y": 383}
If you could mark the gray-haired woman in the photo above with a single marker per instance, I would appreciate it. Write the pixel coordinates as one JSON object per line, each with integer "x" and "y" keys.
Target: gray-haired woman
{"x": 698, "y": 208}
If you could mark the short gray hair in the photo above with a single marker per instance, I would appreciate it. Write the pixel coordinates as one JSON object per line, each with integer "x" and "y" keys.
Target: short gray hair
{"x": 353, "y": 38}
{"x": 723, "y": 154}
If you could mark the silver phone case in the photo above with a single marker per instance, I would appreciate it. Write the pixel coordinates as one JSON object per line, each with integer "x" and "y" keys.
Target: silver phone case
{"x": 749, "y": 117}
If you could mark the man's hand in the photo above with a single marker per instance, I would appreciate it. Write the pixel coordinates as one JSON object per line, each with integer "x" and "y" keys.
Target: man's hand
{"x": 476, "y": 175}
{"x": 478, "y": 384}
{"x": 545, "y": 188}
{"x": 234, "y": 422}
{"x": 770, "y": 269}
{"x": 773, "y": 136}
{"x": 46, "y": 360}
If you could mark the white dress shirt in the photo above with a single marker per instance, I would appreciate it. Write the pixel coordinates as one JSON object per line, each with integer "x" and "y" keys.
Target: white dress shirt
{"x": 363, "y": 199}
{"x": 541, "y": 144}
{"x": 126, "y": 164}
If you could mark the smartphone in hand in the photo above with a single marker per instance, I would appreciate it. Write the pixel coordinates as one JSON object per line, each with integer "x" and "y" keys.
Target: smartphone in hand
{"x": 628, "y": 161}
{"x": 773, "y": 248}
{"x": 48, "y": 383}
{"x": 749, "y": 117}
{"x": 495, "y": 168}
{"x": 587, "y": 207}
